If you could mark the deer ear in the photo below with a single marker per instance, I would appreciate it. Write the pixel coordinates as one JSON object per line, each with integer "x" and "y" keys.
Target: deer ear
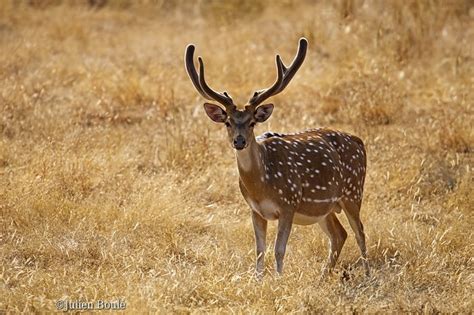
{"x": 263, "y": 112}
{"x": 216, "y": 113}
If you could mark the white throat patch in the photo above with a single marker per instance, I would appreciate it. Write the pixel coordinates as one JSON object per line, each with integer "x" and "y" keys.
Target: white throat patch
{"x": 244, "y": 159}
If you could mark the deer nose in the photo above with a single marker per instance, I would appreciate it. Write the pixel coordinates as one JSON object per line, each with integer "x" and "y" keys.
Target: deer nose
{"x": 239, "y": 142}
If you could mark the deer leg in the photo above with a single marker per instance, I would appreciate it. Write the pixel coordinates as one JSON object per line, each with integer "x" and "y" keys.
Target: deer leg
{"x": 352, "y": 212}
{"x": 337, "y": 236}
{"x": 260, "y": 228}
{"x": 284, "y": 228}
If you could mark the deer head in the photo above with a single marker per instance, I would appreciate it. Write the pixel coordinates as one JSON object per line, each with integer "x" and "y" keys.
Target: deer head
{"x": 240, "y": 123}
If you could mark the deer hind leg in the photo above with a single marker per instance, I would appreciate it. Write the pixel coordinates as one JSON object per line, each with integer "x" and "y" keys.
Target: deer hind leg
{"x": 337, "y": 236}
{"x": 352, "y": 211}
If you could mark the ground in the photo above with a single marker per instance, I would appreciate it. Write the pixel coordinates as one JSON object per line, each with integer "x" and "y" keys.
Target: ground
{"x": 114, "y": 183}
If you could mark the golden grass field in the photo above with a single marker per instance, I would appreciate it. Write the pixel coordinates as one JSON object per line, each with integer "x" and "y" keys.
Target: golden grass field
{"x": 115, "y": 184}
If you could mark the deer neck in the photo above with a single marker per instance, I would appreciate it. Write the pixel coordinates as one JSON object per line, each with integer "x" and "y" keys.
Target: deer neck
{"x": 251, "y": 165}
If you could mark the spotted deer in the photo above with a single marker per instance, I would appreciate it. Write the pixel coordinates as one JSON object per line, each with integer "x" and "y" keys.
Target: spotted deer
{"x": 299, "y": 178}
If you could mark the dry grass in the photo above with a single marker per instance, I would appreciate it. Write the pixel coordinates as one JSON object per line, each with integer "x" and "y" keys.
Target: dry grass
{"x": 114, "y": 184}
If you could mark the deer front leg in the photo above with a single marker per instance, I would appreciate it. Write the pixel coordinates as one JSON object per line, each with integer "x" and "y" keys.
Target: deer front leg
{"x": 284, "y": 228}
{"x": 260, "y": 228}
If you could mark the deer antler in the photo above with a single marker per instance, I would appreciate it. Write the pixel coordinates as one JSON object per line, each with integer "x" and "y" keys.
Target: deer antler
{"x": 284, "y": 75}
{"x": 200, "y": 82}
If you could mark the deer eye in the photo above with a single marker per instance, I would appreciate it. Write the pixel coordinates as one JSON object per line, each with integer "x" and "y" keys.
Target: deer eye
{"x": 252, "y": 124}
{"x": 227, "y": 124}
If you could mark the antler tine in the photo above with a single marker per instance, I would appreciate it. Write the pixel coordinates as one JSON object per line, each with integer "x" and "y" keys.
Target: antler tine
{"x": 261, "y": 95}
{"x": 222, "y": 98}
{"x": 284, "y": 75}
{"x": 191, "y": 70}
{"x": 199, "y": 81}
